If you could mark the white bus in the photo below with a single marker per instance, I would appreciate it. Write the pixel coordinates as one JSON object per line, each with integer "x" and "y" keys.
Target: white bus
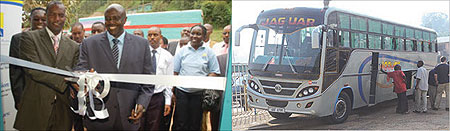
{"x": 327, "y": 62}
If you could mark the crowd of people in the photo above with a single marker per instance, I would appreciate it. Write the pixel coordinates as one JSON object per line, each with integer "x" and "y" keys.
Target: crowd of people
{"x": 44, "y": 100}
{"x": 433, "y": 84}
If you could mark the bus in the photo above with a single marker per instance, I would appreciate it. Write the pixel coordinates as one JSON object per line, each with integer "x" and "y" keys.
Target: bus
{"x": 327, "y": 62}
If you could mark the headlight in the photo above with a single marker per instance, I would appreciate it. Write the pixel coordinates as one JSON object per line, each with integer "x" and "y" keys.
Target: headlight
{"x": 310, "y": 90}
{"x": 254, "y": 86}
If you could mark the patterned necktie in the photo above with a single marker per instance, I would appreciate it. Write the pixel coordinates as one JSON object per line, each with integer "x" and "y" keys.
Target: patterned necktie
{"x": 115, "y": 51}
{"x": 154, "y": 60}
{"x": 55, "y": 44}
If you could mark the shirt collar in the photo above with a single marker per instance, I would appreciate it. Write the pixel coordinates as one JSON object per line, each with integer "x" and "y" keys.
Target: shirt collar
{"x": 121, "y": 37}
{"x": 157, "y": 49}
{"x": 50, "y": 33}
{"x": 201, "y": 47}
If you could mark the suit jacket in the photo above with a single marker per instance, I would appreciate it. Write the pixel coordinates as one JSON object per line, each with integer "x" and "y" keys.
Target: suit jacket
{"x": 172, "y": 47}
{"x": 95, "y": 52}
{"x": 222, "y": 59}
{"x": 16, "y": 75}
{"x": 45, "y": 103}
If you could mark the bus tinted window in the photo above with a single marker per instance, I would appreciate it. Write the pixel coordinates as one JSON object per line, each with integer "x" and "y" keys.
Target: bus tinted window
{"x": 419, "y": 46}
{"x": 409, "y": 33}
{"x": 418, "y": 34}
{"x": 358, "y": 40}
{"x": 374, "y": 26}
{"x": 374, "y": 42}
{"x": 388, "y": 43}
{"x": 433, "y": 47}
{"x": 400, "y": 45}
{"x": 345, "y": 41}
{"x": 399, "y": 31}
{"x": 358, "y": 23}
{"x": 426, "y": 36}
{"x": 388, "y": 29}
{"x": 409, "y": 45}
{"x": 426, "y": 47}
{"x": 344, "y": 21}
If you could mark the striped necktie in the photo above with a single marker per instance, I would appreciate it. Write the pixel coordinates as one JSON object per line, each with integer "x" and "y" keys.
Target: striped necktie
{"x": 115, "y": 51}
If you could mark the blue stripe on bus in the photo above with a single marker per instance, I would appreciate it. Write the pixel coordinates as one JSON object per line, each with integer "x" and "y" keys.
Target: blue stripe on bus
{"x": 361, "y": 67}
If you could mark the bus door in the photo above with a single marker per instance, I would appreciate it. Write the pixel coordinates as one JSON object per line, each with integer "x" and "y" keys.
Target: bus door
{"x": 373, "y": 78}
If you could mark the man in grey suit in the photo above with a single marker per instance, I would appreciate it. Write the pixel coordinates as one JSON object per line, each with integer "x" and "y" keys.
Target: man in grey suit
{"x": 116, "y": 51}
{"x": 175, "y": 45}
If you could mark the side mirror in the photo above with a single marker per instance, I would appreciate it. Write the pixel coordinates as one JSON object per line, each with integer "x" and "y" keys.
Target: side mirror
{"x": 238, "y": 33}
{"x": 315, "y": 38}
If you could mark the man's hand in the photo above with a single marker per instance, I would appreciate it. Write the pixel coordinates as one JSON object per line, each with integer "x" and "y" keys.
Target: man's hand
{"x": 135, "y": 116}
{"x": 166, "y": 110}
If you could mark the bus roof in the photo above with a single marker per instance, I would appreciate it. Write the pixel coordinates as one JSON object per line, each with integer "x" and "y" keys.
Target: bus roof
{"x": 334, "y": 9}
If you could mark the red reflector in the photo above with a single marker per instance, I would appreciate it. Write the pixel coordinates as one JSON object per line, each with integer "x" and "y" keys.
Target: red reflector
{"x": 346, "y": 84}
{"x": 310, "y": 82}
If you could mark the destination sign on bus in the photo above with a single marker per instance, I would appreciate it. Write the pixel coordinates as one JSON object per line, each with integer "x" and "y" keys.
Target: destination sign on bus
{"x": 288, "y": 24}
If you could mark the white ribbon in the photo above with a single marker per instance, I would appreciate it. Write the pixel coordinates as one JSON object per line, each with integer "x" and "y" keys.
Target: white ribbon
{"x": 88, "y": 81}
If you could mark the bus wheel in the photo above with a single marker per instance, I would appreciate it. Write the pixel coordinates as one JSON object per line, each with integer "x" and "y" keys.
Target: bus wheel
{"x": 343, "y": 109}
{"x": 280, "y": 115}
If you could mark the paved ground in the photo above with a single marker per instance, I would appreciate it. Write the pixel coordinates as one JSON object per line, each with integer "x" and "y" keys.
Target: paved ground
{"x": 379, "y": 117}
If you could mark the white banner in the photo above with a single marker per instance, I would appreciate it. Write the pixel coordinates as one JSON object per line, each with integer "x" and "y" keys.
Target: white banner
{"x": 10, "y": 24}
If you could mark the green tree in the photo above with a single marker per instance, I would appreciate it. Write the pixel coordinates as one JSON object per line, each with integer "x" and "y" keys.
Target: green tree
{"x": 438, "y": 21}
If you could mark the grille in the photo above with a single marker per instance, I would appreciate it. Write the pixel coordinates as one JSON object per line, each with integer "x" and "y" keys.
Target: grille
{"x": 283, "y": 84}
{"x": 273, "y": 103}
{"x": 282, "y": 92}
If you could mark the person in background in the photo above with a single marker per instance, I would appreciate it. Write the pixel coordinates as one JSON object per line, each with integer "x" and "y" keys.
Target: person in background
{"x": 97, "y": 28}
{"x": 209, "y": 31}
{"x": 432, "y": 87}
{"x": 399, "y": 88}
{"x": 160, "y": 102}
{"x": 192, "y": 60}
{"x": 45, "y": 101}
{"x": 86, "y": 35}
{"x": 441, "y": 78}
{"x": 164, "y": 43}
{"x": 16, "y": 75}
{"x": 138, "y": 32}
{"x": 421, "y": 89}
{"x": 77, "y": 32}
{"x": 175, "y": 46}
{"x": 186, "y": 32}
{"x": 222, "y": 47}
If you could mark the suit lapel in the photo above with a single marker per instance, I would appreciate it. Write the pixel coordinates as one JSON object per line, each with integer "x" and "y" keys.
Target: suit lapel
{"x": 46, "y": 42}
{"x": 104, "y": 44}
{"x": 127, "y": 48}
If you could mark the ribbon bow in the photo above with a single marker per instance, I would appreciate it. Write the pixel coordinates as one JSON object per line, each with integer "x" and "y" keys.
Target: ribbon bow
{"x": 88, "y": 81}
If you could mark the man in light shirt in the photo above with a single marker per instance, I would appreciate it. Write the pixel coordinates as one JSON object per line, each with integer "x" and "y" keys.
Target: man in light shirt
{"x": 421, "y": 89}
{"x": 222, "y": 47}
{"x": 163, "y": 64}
{"x": 209, "y": 31}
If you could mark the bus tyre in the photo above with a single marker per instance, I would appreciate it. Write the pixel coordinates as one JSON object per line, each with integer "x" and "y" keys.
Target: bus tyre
{"x": 280, "y": 115}
{"x": 343, "y": 109}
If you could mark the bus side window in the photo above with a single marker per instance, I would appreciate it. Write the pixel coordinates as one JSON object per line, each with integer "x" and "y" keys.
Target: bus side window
{"x": 331, "y": 38}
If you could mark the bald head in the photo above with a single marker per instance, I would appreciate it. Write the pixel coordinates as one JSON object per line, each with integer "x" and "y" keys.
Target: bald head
{"x": 115, "y": 18}
{"x": 185, "y": 32}
{"x": 154, "y": 37}
{"x": 209, "y": 31}
{"x": 226, "y": 34}
{"x": 138, "y": 32}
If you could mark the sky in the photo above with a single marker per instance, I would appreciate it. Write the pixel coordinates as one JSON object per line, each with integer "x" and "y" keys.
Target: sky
{"x": 405, "y": 12}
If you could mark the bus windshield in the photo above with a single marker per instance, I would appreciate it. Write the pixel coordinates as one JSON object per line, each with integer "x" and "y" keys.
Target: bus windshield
{"x": 295, "y": 49}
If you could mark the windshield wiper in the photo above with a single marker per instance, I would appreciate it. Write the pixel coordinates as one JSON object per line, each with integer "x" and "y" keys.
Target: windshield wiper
{"x": 289, "y": 61}
{"x": 266, "y": 65}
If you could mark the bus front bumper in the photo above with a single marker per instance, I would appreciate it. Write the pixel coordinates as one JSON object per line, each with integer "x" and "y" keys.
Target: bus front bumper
{"x": 305, "y": 105}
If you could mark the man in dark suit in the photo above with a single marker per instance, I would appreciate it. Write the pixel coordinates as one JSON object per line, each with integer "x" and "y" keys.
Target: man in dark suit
{"x": 16, "y": 75}
{"x": 44, "y": 105}
{"x": 175, "y": 45}
{"x": 116, "y": 51}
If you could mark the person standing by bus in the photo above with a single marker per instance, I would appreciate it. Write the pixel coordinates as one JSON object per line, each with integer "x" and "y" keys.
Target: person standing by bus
{"x": 441, "y": 77}
{"x": 421, "y": 89}
{"x": 399, "y": 88}
{"x": 432, "y": 87}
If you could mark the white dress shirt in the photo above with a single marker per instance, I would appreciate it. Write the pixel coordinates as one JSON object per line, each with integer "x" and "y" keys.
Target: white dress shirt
{"x": 220, "y": 48}
{"x": 164, "y": 66}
